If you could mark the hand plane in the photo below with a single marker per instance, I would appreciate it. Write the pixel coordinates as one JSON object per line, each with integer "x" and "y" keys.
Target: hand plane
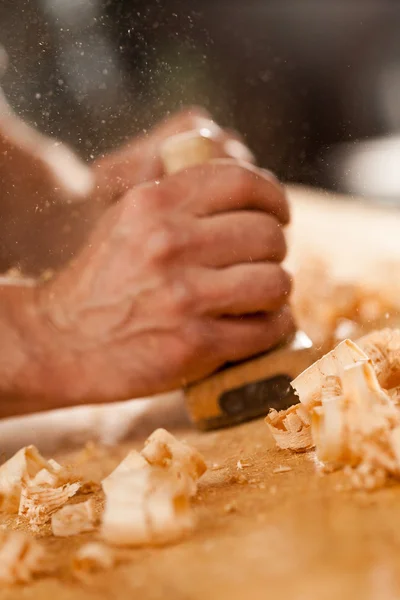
{"x": 239, "y": 391}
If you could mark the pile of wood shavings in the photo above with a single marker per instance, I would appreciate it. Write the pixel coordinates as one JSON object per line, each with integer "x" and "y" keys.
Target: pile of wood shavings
{"x": 337, "y": 310}
{"x": 348, "y": 410}
{"x": 146, "y": 502}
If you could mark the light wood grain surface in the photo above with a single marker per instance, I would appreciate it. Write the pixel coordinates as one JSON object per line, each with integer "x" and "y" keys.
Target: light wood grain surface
{"x": 291, "y": 536}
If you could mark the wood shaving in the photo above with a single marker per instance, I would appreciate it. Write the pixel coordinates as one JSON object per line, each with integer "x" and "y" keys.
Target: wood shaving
{"x": 147, "y": 506}
{"x": 308, "y": 385}
{"x": 383, "y": 349}
{"x": 38, "y": 503}
{"x": 281, "y": 469}
{"x": 164, "y": 450}
{"x": 332, "y": 304}
{"x": 291, "y": 428}
{"x": 355, "y": 424}
{"x": 358, "y": 427}
{"x": 21, "y": 557}
{"x": 21, "y": 470}
{"x": 73, "y": 519}
{"x": 132, "y": 461}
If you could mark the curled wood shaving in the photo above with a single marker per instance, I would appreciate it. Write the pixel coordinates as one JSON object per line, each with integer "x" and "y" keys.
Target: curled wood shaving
{"x": 92, "y": 557}
{"x": 22, "y": 469}
{"x": 349, "y": 395}
{"x": 21, "y": 557}
{"x": 328, "y": 423}
{"x": 73, "y": 519}
{"x": 308, "y": 385}
{"x": 291, "y": 428}
{"x": 164, "y": 450}
{"x": 146, "y": 507}
{"x": 383, "y": 349}
{"x": 355, "y": 426}
{"x": 38, "y": 503}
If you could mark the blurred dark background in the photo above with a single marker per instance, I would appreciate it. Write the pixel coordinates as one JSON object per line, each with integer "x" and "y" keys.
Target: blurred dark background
{"x": 313, "y": 85}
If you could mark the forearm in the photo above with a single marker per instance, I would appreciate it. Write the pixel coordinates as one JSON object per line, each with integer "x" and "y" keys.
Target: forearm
{"x": 48, "y": 198}
{"x": 34, "y": 373}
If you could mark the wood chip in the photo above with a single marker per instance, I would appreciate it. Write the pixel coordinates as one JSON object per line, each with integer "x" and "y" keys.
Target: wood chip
{"x": 281, "y": 469}
{"x": 240, "y": 465}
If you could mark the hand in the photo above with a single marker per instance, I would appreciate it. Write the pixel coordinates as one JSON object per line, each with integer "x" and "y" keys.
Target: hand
{"x": 177, "y": 278}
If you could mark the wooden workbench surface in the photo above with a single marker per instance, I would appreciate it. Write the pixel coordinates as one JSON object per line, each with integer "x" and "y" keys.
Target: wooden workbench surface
{"x": 292, "y": 535}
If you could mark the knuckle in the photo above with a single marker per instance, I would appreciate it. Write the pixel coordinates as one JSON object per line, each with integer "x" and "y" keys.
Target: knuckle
{"x": 198, "y": 340}
{"x": 182, "y": 298}
{"x": 142, "y": 200}
{"x": 163, "y": 244}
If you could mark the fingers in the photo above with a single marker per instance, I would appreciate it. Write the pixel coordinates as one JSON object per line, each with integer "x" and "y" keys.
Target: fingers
{"x": 242, "y": 289}
{"x": 196, "y": 118}
{"x": 140, "y": 160}
{"x": 238, "y": 237}
{"x": 226, "y": 185}
{"x": 239, "y": 338}
{"x": 203, "y": 142}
